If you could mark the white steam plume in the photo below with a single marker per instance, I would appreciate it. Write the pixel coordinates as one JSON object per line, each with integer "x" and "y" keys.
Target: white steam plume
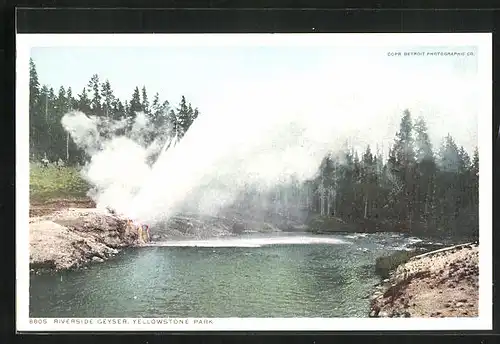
{"x": 262, "y": 134}
{"x": 118, "y": 165}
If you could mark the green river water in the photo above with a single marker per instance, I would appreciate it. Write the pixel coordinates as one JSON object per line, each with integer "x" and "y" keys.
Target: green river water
{"x": 255, "y": 275}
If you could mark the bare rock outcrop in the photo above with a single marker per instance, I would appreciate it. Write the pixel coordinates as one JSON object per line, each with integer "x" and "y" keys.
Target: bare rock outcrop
{"x": 72, "y": 237}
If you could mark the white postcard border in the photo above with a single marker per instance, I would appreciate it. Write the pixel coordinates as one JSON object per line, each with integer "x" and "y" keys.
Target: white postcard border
{"x": 483, "y": 42}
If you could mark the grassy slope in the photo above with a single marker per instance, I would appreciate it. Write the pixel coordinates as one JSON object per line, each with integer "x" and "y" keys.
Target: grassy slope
{"x": 56, "y": 182}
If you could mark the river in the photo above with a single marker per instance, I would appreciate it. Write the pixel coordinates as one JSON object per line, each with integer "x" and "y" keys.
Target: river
{"x": 251, "y": 275}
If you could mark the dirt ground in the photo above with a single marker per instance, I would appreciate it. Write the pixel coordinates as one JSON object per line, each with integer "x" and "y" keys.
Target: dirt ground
{"x": 41, "y": 208}
{"x": 442, "y": 283}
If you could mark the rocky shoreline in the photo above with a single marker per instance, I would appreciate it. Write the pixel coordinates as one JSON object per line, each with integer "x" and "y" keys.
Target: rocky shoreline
{"x": 63, "y": 237}
{"x": 73, "y": 237}
{"x": 441, "y": 283}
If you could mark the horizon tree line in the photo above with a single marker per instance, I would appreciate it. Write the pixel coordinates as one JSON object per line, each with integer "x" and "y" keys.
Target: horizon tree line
{"x": 49, "y": 140}
{"x": 416, "y": 189}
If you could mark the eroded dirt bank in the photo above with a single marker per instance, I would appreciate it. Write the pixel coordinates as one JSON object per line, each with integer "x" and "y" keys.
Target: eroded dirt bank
{"x": 441, "y": 283}
{"x": 71, "y": 237}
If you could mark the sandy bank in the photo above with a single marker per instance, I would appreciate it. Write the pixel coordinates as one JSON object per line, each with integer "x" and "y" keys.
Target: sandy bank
{"x": 72, "y": 237}
{"x": 441, "y": 283}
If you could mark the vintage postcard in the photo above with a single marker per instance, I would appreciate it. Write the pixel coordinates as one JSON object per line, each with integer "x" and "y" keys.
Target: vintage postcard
{"x": 254, "y": 182}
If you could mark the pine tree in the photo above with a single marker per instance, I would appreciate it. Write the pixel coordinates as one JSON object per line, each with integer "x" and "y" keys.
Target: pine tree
{"x": 426, "y": 167}
{"x": 474, "y": 196}
{"x": 83, "y": 102}
{"x": 145, "y": 102}
{"x": 448, "y": 184}
{"x": 474, "y": 176}
{"x": 368, "y": 179}
{"x": 95, "y": 100}
{"x": 160, "y": 117}
{"x": 449, "y": 155}
{"x": 119, "y": 111}
{"x": 71, "y": 101}
{"x": 60, "y": 108}
{"x": 44, "y": 136}
{"x": 135, "y": 103}
{"x": 34, "y": 83}
{"x": 34, "y": 110}
{"x": 183, "y": 117}
{"x": 346, "y": 183}
{"x": 108, "y": 99}
{"x": 134, "y": 106}
{"x": 156, "y": 112}
{"x": 423, "y": 145}
{"x": 173, "y": 124}
{"x": 405, "y": 155}
{"x": 405, "y": 167}
{"x": 190, "y": 116}
{"x": 475, "y": 163}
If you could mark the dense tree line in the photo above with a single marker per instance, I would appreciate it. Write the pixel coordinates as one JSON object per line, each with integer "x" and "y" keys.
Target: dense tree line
{"x": 415, "y": 189}
{"x": 49, "y": 140}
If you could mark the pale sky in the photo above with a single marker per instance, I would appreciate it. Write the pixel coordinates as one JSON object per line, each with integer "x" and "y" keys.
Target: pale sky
{"x": 169, "y": 71}
{"x": 356, "y": 84}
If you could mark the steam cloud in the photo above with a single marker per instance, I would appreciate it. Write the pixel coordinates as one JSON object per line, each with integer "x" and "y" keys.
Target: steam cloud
{"x": 261, "y": 135}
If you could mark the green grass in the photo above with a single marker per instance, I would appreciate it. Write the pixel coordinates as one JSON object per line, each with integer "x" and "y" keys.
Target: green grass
{"x": 56, "y": 182}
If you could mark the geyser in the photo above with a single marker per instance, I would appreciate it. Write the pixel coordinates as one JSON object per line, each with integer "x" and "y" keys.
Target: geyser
{"x": 266, "y": 133}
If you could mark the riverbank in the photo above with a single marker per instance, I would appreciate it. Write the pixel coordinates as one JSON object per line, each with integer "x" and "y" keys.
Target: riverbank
{"x": 333, "y": 225}
{"x": 441, "y": 283}
{"x": 63, "y": 237}
{"x": 70, "y": 232}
